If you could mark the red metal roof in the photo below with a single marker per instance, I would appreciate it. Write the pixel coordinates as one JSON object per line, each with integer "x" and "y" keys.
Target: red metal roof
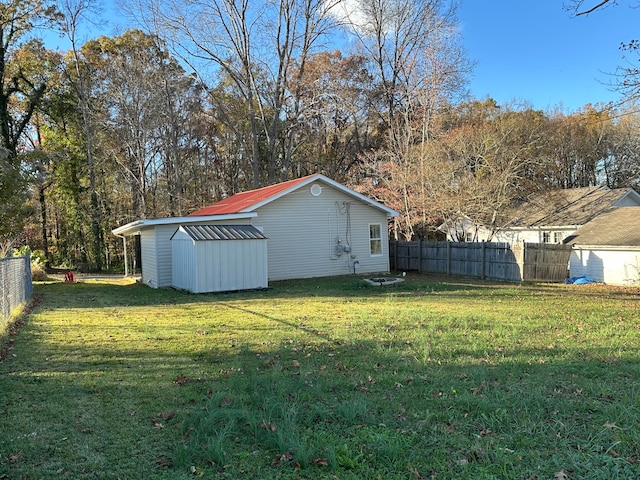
{"x": 244, "y": 201}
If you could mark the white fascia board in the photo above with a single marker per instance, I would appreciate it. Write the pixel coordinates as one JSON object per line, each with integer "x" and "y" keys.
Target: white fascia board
{"x": 612, "y": 248}
{"x": 630, "y": 193}
{"x": 134, "y": 228}
{"x": 545, "y": 227}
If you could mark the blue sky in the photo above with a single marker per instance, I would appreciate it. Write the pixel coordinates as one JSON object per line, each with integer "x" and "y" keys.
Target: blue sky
{"x": 529, "y": 52}
{"x": 536, "y": 52}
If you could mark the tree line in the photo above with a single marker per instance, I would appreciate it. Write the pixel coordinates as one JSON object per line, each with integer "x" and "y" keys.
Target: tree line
{"x": 213, "y": 98}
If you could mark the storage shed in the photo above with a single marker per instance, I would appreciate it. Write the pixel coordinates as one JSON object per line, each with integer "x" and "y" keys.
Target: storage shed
{"x": 218, "y": 258}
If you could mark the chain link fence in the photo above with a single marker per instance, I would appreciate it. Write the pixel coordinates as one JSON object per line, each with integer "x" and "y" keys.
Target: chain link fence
{"x": 15, "y": 285}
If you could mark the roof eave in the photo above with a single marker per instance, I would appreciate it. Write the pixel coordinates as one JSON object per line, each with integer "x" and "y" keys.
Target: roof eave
{"x": 629, "y": 193}
{"x": 606, "y": 247}
{"x": 134, "y": 227}
{"x": 542, "y": 227}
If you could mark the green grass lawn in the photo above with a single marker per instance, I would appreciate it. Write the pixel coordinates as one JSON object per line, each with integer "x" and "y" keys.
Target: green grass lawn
{"x": 329, "y": 378}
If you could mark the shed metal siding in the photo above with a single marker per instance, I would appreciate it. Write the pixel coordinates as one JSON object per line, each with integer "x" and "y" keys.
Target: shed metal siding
{"x": 183, "y": 261}
{"x": 202, "y": 266}
{"x": 156, "y": 252}
{"x": 303, "y": 228}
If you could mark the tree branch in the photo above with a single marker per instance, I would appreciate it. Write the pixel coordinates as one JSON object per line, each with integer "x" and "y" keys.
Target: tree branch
{"x": 593, "y": 9}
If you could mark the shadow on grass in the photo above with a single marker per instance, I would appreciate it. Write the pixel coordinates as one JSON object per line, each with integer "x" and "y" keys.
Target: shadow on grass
{"x": 283, "y": 400}
{"x": 367, "y": 409}
{"x": 91, "y": 294}
{"x": 351, "y": 408}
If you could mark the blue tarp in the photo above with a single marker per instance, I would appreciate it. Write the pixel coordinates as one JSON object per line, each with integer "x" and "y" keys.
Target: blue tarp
{"x": 585, "y": 279}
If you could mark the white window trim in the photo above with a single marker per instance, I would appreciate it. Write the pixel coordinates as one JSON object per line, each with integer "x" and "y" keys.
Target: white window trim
{"x": 371, "y": 239}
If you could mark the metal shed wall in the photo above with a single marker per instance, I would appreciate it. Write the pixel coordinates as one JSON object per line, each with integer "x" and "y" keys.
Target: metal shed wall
{"x": 207, "y": 265}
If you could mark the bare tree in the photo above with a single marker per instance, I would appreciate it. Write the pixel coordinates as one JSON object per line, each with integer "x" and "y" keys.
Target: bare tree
{"x": 255, "y": 44}
{"x": 581, "y": 7}
{"x": 419, "y": 66}
{"x": 627, "y": 76}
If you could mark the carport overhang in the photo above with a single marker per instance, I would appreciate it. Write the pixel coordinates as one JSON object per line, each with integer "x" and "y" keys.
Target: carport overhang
{"x": 135, "y": 227}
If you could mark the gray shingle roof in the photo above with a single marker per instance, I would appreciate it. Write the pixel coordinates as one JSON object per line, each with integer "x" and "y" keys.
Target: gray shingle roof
{"x": 223, "y": 232}
{"x": 618, "y": 226}
{"x": 575, "y": 206}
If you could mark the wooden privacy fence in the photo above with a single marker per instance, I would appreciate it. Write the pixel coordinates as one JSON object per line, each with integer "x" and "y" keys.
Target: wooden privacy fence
{"x": 540, "y": 262}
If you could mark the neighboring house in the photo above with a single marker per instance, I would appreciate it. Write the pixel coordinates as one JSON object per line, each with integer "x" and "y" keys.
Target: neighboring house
{"x": 548, "y": 217}
{"x": 608, "y": 248}
{"x": 315, "y": 227}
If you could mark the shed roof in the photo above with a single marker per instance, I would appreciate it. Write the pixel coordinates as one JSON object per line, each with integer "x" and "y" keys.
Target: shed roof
{"x": 134, "y": 228}
{"x": 250, "y": 200}
{"x": 200, "y": 233}
{"x": 573, "y": 206}
{"x": 619, "y": 226}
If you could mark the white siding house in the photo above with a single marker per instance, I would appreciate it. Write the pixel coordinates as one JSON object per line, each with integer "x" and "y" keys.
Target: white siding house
{"x": 218, "y": 258}
{"x": 610, "y": 265}
{"x": 322, "y": 235}
{"x": 315, "y": 226}
{"x": 608, "y": 248}
{"x": 548, "y": 217}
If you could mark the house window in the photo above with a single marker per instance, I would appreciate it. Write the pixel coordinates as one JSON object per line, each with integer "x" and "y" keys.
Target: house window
{"x": 546, "y": 237}
{"x": 375, "y": 239}
{"x": 557, "y": 237}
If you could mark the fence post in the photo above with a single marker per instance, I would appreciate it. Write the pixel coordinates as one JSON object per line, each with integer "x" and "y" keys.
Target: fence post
{"x": 484, "y": 259}
{"x": 419, "y": 256}
{"x": 395, "y": 255}
{"x": 448, "y": 257}
{"x": 520, "y": 260}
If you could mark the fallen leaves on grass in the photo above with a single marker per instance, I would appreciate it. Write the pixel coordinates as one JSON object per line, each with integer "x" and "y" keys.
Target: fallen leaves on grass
{"x": 416, "y": 474}
{"x": 166, "y": 462}
{"x": 269, "y": 362}
{"x": 180, "y": 380}
{"x": 286, "y": 457}
{"x": 612, "y": 426}
{"x": 168, "y": 415}
{"x": 14, "y": 457}
{"x": 268, "y": 426}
